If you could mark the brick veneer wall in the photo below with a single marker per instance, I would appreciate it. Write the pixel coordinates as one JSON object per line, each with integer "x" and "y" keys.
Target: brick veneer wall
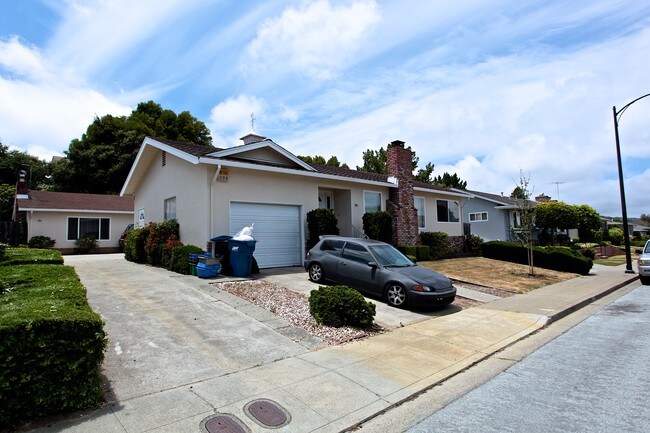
{"x": 399, "y": 164}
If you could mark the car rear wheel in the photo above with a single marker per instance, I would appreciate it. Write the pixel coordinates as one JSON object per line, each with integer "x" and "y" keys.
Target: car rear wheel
{"x": 396, "y": 295}
{"x": 316, "y": 273}
{"x": 644, "y": 280}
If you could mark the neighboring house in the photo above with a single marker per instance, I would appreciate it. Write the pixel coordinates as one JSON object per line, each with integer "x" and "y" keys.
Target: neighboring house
{"x": 66, "y": 217}
{"x": 493, "y": 217}
{"x": 214, "y": 192}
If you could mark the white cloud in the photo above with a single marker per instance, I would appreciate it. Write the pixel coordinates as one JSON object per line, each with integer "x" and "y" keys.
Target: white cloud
{"x": 314, "y": 38}
{"x": 231, "y": 119}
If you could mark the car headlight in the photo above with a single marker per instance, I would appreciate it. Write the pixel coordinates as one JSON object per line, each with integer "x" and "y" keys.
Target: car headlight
{"x": 644, "y": 262}
{"x": 419, "y": 288}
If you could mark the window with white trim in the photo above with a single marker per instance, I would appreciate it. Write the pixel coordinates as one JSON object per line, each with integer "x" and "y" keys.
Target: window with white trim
{"x": 419, "y": 206}
{"x": 448, "y": 211}
{"x": 478, "y": 216}
{"x": 170, "y": 209}
{"x": 97, "y": 228}
{"x": 371, "y": 201}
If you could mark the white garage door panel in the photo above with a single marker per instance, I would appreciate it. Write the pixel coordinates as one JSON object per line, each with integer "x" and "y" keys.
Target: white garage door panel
{"x": 277, "y": 230}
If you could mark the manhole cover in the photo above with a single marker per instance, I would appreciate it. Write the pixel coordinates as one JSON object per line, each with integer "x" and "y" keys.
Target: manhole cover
{"x": 267, "y": 413}
{"x": 223, "y": 423}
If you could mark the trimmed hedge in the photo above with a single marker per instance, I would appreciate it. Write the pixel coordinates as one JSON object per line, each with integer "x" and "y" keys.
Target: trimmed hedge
{"x": 320, "y": 222}
{"x": 134, "y": 245}
{"x": 437, "y": 242}
{"x": 341, "y": 306}
{"x": 51, "y": 344}
{"x": 555, "y": 258}
{"x": 30, "y": 256}
{"x": 43, "y": 242}
{"x": 180, "y": 258}
{"x": 420, "y": 252}
{"x": 378, "y": 226}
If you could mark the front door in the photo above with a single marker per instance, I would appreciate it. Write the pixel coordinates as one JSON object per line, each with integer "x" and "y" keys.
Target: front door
{"x": 325, "y": 199}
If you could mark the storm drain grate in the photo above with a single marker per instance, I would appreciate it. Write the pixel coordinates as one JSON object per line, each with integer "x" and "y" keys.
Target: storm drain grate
{"x": 267, "y": 413}
{"x": 223, "y": 423}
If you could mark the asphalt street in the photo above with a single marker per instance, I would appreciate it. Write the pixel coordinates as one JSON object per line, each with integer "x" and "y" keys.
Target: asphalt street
{"x": 593, "y": 378}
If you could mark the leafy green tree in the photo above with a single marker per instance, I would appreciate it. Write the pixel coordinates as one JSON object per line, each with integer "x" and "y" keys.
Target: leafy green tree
{"x": 334, "y": 161}
{"x": 12, "y": 161}
{"x": 518, "y": 193}
{"x": 450, "y": 181}
{"x": 7, "y": 194}
{"x": 526, "y": 213}
{"x": 556, "y": 215}
{"x": 424, "y": 174}
{"x": 100, "y": 160}
{"x": 374, "y": 161}
{"x": 588, "y": 223}
{"x": 645, "y": 218}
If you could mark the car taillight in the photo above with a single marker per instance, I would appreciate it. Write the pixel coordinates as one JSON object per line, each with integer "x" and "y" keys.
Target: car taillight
{"x": 308, "y": 255}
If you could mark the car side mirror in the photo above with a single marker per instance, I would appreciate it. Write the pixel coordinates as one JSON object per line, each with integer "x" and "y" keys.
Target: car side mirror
{"x": 373, "y": 264}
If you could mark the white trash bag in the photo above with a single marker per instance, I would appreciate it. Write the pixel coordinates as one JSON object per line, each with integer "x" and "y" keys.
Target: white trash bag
{"x": 245, "y": 234}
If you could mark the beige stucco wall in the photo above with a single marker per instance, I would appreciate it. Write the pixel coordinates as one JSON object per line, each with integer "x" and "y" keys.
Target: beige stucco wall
{"x": 280, "y": 188}
{"x": 431, "y": 212}
{"x": 185, "y": 181}
{"x": 55, "y": 226}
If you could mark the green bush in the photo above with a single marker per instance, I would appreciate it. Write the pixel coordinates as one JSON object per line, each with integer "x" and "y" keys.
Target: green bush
{"x": 589, "y": 253}
{"x": 412, "y": 258}
{"x": 557, "y": 258}
{"x": 86, "y": 245}
{"x": 616, "y": 236}
{"x": 134, "y": 245}
{"x": 51, "y": 344}
{"x": 419, "y": 252}
{"x": 159, "y": 234}
{"x": 473, "y": 244}
{"x": 320, "y": 222}
{"x": 43, "y": 242}
{"x": 438, "y": 244}
{"x": 30, "y": 256}
{"x": 341, "y": 306}
{"x": 379, "y": 226}
{"x": 180, "y": 256}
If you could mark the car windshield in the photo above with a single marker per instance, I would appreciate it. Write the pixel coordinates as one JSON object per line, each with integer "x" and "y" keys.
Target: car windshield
{"x": 646, "y": 250}
{"x": 387, "y": 255}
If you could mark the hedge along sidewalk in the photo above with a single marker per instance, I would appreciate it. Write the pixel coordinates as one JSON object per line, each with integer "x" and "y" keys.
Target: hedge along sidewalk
{"x": 51, "y": 342}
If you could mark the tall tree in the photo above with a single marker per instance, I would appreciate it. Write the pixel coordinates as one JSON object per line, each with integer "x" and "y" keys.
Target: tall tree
{"x": 525, "y": 218}
{"x": 374, "y": 161}
{"x": 518, "y": 193}
{"x": 450, "y": 181}
{"x": 12, "y": 161}
{"x": 555, "y": 215}
{"x": 424, "y": 174}
{"x": 588, "y": 223}
{"x": 100, "y": 161}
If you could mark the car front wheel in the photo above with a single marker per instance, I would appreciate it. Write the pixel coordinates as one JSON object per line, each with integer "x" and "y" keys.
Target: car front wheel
{"x": 316, "y": 273}
{"x": 644, "y": 280}
{"x": 396, "y": 295}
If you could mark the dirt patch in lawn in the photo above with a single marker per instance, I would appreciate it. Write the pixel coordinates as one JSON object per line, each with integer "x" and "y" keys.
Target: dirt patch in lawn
{"x": 512, "y": 277}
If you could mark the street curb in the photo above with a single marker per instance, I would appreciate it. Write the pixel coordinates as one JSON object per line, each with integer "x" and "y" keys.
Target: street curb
{"x": 557, "y": 316}
{"x": 565, "y": 312}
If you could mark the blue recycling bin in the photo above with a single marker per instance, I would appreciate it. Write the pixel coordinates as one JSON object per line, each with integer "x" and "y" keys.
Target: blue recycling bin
{"x": 241, "y": 257}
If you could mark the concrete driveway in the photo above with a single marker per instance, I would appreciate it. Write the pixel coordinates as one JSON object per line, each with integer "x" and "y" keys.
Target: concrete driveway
{"x": 168, "y": 330}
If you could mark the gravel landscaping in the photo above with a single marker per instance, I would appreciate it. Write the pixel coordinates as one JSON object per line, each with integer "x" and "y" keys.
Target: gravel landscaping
{"x": 294, "y": 308}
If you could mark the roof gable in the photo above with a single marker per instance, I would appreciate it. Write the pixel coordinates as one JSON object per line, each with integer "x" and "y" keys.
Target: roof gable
{"x": 265, "y": 152}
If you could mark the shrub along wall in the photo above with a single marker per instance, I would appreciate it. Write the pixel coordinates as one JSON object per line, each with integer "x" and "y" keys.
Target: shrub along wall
{"x": 555, "y": 258}
{"x": 51, "y": 343}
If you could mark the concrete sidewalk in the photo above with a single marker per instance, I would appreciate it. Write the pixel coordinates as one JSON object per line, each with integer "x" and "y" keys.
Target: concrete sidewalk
{"x": 334, "y": 388}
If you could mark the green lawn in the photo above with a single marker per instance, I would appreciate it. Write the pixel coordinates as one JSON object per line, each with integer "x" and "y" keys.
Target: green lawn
{"x": 611, "y": 261}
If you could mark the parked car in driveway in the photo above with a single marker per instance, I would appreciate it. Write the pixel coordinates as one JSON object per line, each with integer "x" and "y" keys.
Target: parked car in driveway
{"x": 644, "y": 264}
{"x": 377, "y": 268}
{"x": 122, "y": 240}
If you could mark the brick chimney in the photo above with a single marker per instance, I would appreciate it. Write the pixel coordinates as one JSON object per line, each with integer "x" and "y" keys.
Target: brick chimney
{"x": 22, "y": 189}
{"x": 542, "y": 198}
{"x": 399, "y": 165}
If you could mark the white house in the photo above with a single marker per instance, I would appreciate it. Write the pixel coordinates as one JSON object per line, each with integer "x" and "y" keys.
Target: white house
{"x": 214, "y": 192}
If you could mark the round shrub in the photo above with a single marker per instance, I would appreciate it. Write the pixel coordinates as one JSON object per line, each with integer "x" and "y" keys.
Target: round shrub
{"x": 43, "y": 242}
{"x": 134, "y": 245}
{"x": 616, "y": 236}
{"x": 589, "y": 253}
{"x": 86, "y": 245}
{"x": 341, "y": 306}
{"x": 180, "y": 258}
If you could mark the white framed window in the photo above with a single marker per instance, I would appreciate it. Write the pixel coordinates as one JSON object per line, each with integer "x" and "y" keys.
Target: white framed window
{"x": 170, "y": 208}
{"x": 448, "y": 211}
{"x": 478, "y": 216}
{"x": 97, "y": 228}
{"x": 371, "y": 201}
{"x": 420, "y": 207}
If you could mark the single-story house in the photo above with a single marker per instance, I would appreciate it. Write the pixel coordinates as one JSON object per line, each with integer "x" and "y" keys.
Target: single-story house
{"x": 212, "y": 191}
{"x": 493, "y": 217}
{"x": 66, "y": 217}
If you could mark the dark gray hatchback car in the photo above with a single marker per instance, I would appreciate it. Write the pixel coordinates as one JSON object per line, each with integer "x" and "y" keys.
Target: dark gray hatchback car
{"x": 377, "y": 268}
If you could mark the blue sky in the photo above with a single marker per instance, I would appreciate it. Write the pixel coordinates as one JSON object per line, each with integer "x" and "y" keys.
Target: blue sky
{"x": 483, "y": 89}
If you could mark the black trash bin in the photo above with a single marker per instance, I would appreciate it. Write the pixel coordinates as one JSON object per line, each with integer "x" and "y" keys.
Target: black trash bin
{"x": 220, "y": 249}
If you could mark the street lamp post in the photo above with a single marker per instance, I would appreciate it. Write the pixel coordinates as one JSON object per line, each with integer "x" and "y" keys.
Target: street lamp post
{"x": 626, "y": 230}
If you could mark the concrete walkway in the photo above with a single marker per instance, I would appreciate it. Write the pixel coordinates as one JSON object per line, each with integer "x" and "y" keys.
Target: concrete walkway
{"x": 334, "y": 388}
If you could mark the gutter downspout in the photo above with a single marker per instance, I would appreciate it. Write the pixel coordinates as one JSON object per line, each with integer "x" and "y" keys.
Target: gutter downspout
{"x": 210, "y": 208}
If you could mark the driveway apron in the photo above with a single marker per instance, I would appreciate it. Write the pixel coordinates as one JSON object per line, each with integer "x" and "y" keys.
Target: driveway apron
{"x": 164, "y": 334}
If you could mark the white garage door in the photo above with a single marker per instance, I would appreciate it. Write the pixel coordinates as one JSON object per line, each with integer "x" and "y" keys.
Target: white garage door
{"x": 277, "y": 230}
